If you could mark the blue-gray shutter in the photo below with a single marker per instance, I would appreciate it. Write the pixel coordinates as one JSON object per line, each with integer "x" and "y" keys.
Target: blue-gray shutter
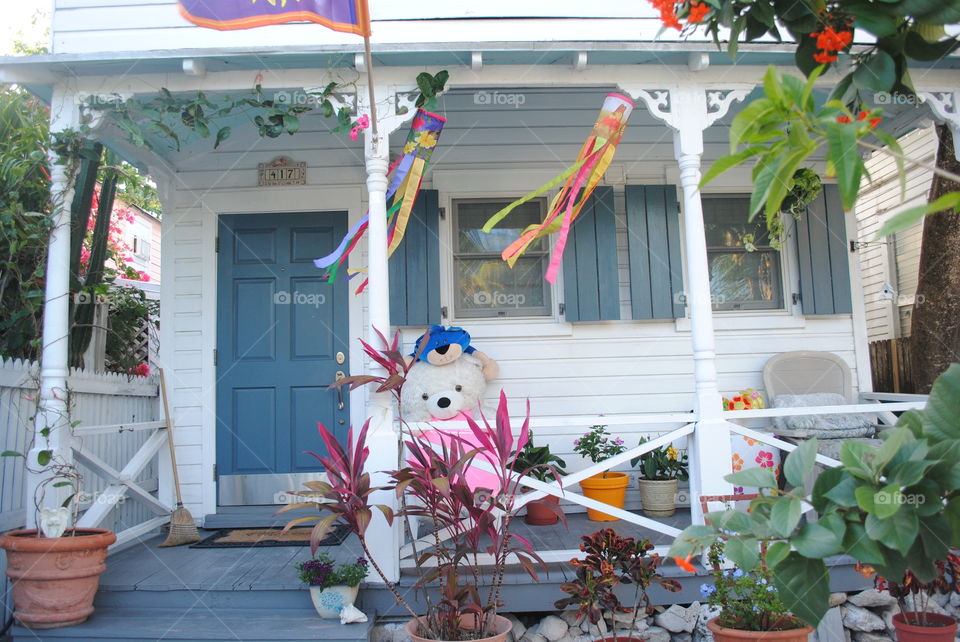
{"x": 415, "y": 266}
{"x": 590, "y": 283}
{"x": 822, "y": 248}
{"x": 653, "y": 233}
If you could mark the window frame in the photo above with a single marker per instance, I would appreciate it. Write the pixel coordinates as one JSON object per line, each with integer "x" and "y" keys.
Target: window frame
{"x": 546, "y": 312}
{"x": 781, "y": 261}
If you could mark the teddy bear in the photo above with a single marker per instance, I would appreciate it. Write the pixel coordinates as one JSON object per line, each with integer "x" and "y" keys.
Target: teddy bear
{"x": 448, "y": 376}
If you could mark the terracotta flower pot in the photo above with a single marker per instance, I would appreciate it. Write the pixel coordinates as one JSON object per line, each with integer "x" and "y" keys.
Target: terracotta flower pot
{"x": 55, "y": 578}
{"x": 659, "y": 497}
{"x": 942, "y": 628}
{"x": 611, "y": 489}
{"x": 501, "y": 625}
{"x": 540, "y": 514}
{"x": 723, "y": 634}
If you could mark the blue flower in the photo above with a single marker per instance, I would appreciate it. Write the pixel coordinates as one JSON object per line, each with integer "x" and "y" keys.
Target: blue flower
{"x": 755, "y": 609}
{"x": 706, "y": 590}
{"x": 737, "y": 574}
{"x": 771, "y": 589}
{"x": 762, "y": 580}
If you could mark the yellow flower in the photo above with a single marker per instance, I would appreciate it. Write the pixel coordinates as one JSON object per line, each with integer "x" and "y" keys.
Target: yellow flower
{"x": 672, "y": 453}
{"x": 409, "y": 147}
{"x": 426, "y": 139}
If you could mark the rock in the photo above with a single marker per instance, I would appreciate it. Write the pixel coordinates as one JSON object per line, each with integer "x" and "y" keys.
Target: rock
{"x": 532, "y": 637}
{"x": 519, "y": 628}
{"x": 872, "y": 598}
{"x": 389, "y": 632}
{"x": 955, "y": 600}
{"x": 941, "y": 599}
{"x": 857, "y": 618}
{"x": 913, "y": 605}
{"x": 552, "y": 628}
{"x": 624, "y": 619}
{"x": 571, "y": 617}
{"x": 860, "y": 636}
{"x": 701, "y": 633}
{"x": 656, "y": 634}
{"x": 836, "y": 599}
{"x": 572, "y": 637}
{"x": 831, "y": 628}
{"x": 681, "y": 637}
{"x": 677, "y": 619}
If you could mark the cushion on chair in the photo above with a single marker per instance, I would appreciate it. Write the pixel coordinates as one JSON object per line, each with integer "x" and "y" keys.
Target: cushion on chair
{"x": 823, "y": 426}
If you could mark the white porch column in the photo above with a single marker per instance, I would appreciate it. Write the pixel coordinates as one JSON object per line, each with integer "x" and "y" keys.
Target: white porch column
{"x": 383, "y": 438}
{"x": 689, "y": 109}
{"x": 52, "y": 422}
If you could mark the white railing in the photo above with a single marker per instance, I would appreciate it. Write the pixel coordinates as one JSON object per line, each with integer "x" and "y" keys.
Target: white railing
{"x": 882, "y": 405}
{"x": 115, "y": 447}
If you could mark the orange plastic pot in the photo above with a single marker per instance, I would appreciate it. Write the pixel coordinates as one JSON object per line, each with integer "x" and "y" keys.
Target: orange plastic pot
{"x": 55, "y": 578}
{"x": 611, "y": 489}
{"x": 501, "y": 627}
{"x": 723, "y": 634}
{"x": 940, "y": 628}
{"x": 539, "y": 512}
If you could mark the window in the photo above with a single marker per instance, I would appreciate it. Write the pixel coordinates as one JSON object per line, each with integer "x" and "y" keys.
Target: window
{"x": 485, "y": 286}
{"x": 141, "y": 248}
{"x": 740, "y": 279}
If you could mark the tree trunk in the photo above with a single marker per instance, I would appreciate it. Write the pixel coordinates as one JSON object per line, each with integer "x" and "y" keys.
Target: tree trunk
{"x": 935, "y": 326}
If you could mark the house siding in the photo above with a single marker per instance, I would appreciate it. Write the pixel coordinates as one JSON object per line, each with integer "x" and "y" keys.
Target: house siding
{"x": 893, "y": 261}
{"x": 616, "y": 367}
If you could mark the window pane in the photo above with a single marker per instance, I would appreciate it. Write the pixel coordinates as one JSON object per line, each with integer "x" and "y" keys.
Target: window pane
{"x": 726, "y": 222}
{"x": 471, "y": 217}
{"x": 489, "y": 287}
{"x": 745, "y": 277}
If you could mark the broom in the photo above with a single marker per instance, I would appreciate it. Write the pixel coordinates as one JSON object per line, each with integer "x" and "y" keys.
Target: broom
{"x": 182, "y": 529}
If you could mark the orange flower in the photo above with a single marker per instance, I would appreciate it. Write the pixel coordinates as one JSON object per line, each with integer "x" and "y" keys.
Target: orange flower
{"x": 668, "y": 15}
{"x": 824, "y": 58}
{"x": 843, "y": 119}
{"x": 685, "y": 564}
{"x": 698, "y": 10}
{"x": 874, "y": 122}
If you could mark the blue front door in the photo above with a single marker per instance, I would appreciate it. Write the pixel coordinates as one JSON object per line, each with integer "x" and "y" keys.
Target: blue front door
{"x": 281, "y": 339}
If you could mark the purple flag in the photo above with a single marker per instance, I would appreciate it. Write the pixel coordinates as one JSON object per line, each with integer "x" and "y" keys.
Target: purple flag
{"x": 349, "y": 16}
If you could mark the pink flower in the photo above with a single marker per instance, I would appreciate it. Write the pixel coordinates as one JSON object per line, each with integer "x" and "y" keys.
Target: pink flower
{"x": 355, "y": 133}
{"x": 765, "y": 459}
{"x": 363, "y": 121}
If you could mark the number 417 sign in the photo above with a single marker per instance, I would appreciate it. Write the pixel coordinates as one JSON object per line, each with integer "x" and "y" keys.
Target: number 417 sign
{"x": 282, "y": 171}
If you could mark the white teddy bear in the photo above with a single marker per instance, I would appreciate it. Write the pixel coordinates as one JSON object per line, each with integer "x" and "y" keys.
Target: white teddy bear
{"x": 442, "y": 392}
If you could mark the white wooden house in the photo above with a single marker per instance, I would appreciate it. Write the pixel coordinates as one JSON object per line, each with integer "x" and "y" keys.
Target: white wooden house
{"x": 661, "y": 313}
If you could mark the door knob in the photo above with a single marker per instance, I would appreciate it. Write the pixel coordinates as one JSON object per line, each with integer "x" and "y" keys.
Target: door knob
{"x": 337, "y": 377}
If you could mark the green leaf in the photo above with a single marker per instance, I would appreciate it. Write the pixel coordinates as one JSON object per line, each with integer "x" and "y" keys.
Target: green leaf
{"x": 44, "y": 457}
{"x": 858, "y": 545}
{"x": 941, "y": 417}
{"x": 755, "y": 477}
{"x": 742, "y": 552}
{"x": 291, "y": 123}
{"x": 61, "y": 484}
{"x": 785, "y": 515}
{"x": 692, "y": 539}
{"x": 425, "y": 84}
{"x": 935, "y": 535}
{"x": 729, "y": 161}
{"x": 750, "y": 118}
{"x": 887, "y": 501}
{"x": 776, "y": 553}
{"x": 895, "y": 440}
{"x": 804, "y": 586}
{"x": 816, "y": 541}
{"x": 918, "y": 48}
{"x": 877, "y": 73}
{"x": 952, "y": 513}
{"x": 10, "y": 453}
{"x": 898, "y": 532}
{"x": 852, "y": 457}
{"x": 800, "y": 462}
{"x": 732, "y": 521}
{"x": 842, "y": 493}
{"x": 842, "y": 151}
{"x": 222, "y": 134}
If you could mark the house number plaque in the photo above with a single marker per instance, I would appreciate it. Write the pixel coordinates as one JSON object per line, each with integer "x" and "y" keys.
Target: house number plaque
{"x": 282, "y": 171}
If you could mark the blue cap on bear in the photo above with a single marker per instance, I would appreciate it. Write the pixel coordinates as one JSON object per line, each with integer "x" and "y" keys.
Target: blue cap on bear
{"x": 439, "y": 337}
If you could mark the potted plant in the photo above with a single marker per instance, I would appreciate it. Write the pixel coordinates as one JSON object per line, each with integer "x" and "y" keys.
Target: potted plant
{"x": 914, "y": 623}
{"x": 538, "y": 462}
{"x": 750, "y": 606}
{"x": 871, "y": 507}
{"x": 660, "y": 470}
{"x": 332, "y": 586}
{"x": 467, "y": 524}
{"x": 55, "y": 569}
{"x": 609, "y": 561}
{"x": 607, "y": 487}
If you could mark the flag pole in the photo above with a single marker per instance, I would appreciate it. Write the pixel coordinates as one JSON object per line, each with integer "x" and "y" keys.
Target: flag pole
{"x": 373, "y": 104}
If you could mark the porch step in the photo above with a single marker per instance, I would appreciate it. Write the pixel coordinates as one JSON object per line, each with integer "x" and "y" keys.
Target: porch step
{"x": 250, "y": 517}
{"x": 220, "y": 625}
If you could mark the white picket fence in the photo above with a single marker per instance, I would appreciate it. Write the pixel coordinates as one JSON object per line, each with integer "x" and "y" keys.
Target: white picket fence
{"x": 118, "y": 416}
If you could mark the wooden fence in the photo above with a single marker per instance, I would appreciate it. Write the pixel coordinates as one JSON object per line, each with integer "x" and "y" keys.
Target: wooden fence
{"x": 890, "y": 365}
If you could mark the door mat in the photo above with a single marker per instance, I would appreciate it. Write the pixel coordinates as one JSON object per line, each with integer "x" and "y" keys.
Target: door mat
{"x": 265, "y": 537}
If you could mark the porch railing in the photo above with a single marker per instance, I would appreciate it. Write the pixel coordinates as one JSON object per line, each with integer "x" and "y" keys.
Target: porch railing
{"x": 882, "y": 405}
{"x": 115, "y": 446}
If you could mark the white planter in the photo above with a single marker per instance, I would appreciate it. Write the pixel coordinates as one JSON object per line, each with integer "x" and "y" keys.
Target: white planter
{"x": 658, "y": 496}
{"x": 330, "y": 601}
